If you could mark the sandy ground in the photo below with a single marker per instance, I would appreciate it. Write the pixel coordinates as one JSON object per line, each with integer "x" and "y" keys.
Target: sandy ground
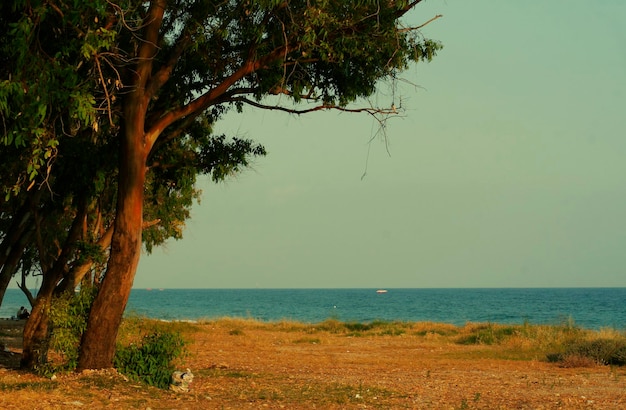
{"x": 239, "y": 364}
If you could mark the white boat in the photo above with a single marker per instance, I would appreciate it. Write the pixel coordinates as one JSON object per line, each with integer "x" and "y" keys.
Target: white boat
{"x": 381, "y": 291}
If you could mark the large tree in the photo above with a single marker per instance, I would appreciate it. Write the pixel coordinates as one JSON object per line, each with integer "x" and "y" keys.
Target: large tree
{"x": 59, "y": 166}
{"x": 151, "y": 77}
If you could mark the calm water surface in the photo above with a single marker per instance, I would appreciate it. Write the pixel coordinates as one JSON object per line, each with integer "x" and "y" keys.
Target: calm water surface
{"x": 588, "y": 307}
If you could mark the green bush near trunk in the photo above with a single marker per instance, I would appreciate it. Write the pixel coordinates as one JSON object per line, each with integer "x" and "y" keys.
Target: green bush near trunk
{"x": 150, "y": 361}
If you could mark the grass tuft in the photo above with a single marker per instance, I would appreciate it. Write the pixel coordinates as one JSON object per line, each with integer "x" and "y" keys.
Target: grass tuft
{"x": 36, "y": 386}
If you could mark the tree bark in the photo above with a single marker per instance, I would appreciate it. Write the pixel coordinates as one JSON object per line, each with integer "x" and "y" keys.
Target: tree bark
{"x": 105, "y": 317}
{"x": 36, "y": 329}
{"x": 98, "y": 343}
{"x": 14, "y": 255}
{"x": 14, "y": 241}
{"x": 78, "y": 272}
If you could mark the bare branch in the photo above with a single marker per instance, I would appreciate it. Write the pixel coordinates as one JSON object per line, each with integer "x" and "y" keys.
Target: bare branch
{"x": 107, "y": 97}
{"x": 404, "y": 30}
{"x": 148, "y": 224}
{"x": 393, "y": 110}
{"x": 25, "y": 290}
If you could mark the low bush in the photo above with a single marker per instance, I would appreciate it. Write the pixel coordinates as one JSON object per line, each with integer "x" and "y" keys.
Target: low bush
{"x": 489, "y": 334}
{"x": 600, "y": 351}
{"x": 68, "y": 322}
{"x": 152, "y": 360}
{"x": 379, "y": 327}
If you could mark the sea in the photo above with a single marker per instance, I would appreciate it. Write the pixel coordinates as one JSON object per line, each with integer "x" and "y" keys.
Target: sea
{"x": 591, "y": 308}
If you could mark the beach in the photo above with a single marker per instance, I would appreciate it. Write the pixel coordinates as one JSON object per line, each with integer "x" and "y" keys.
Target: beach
{"x": 248, "y": 364}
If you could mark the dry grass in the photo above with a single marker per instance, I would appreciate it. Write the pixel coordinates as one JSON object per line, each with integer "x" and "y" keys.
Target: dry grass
{"x": 241, "y": 363}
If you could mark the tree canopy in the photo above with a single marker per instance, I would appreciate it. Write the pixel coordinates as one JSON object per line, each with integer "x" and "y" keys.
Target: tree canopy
{"x": 107, "y": 109}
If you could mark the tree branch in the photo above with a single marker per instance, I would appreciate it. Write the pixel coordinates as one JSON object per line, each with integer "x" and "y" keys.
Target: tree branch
{"x": 181, "y": 126}
{"x": 407, "y": 8}
{"x": 209, "y": 98}
{"x": 163, "y": 74}
{"x": 404, "y": 30}
{"x": 148, "y": 48}
{"x": 25, "y": 290}
{"x": 77, "y": 272}
{"x": 369, "y": 110}
{"x": 107, "y": 97}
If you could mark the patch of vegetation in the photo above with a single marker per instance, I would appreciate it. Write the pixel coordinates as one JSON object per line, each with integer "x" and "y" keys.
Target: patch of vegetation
{"x": 308, "y": 340}
{"x": 152, "y": 360}
{"x": 233, "y": 374}
{"x": 135, "y": 327}
{"x": 36, "y": 386}
{"x": 342, "y": 394}
{"x": 100, "y": 381}
{"x": 601, "y": 351}
{"x": 68, "y": 322}
{"x": 357, "y": 329}
{"x": 439, "y": 332}
{"x": 392, "y": 331}
{"x": 563, "y": 343}
{"x": 333, "y": 326}
{"x": 330, "y": 326}
{"x": 236, "y": 332}
{"x": 488, "y": 334}
{"x": 322, "y": 395}
{"x": 148, "y": 350}
{"x": 430, "y": 329}
{"x": 292, "y": 326}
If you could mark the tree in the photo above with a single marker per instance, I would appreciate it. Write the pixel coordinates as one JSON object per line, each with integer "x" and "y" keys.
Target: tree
{"x": 56, "y": 219}
{"x": 192, "y": 56}
{"x": 153, "y": 76}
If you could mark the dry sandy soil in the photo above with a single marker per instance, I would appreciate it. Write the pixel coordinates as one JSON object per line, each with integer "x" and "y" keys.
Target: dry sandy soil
{"x": 244, "y": 364}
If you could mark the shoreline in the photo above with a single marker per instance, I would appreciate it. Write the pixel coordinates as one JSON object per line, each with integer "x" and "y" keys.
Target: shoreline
{"x": 568, "y": 322}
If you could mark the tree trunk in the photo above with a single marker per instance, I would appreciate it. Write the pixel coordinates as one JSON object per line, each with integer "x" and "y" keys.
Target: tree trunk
{"x": 14, "y": 241}
{"x": 11, "y": 264}
{"x": 98, "y": 343}
{"x": 77, "y": 273}
{"x": 36, "y": 329}
{"x": 105, "y": 317}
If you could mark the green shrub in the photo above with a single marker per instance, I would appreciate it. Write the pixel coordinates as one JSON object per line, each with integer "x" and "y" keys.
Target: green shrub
{"x": 329, "y": 325}
{"x": 439, "y": 332}
{"x": 151, "y": 361}
{"x": 68, "y": 321}
{"x": 600, "y": 351}
{"x": 487, "y": 335}
{"x": 357, "y": 329}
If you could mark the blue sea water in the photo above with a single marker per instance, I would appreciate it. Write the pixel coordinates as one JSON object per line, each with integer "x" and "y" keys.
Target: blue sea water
{"x": 588, "y": 307}
{"x": 591, "y": 308}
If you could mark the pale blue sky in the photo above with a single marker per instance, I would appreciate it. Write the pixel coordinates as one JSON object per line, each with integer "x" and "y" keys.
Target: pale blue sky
{"x": 508, "y": 169}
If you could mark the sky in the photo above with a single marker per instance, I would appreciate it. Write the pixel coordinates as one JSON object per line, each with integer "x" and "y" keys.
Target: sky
{"x": 507, "y": 169}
